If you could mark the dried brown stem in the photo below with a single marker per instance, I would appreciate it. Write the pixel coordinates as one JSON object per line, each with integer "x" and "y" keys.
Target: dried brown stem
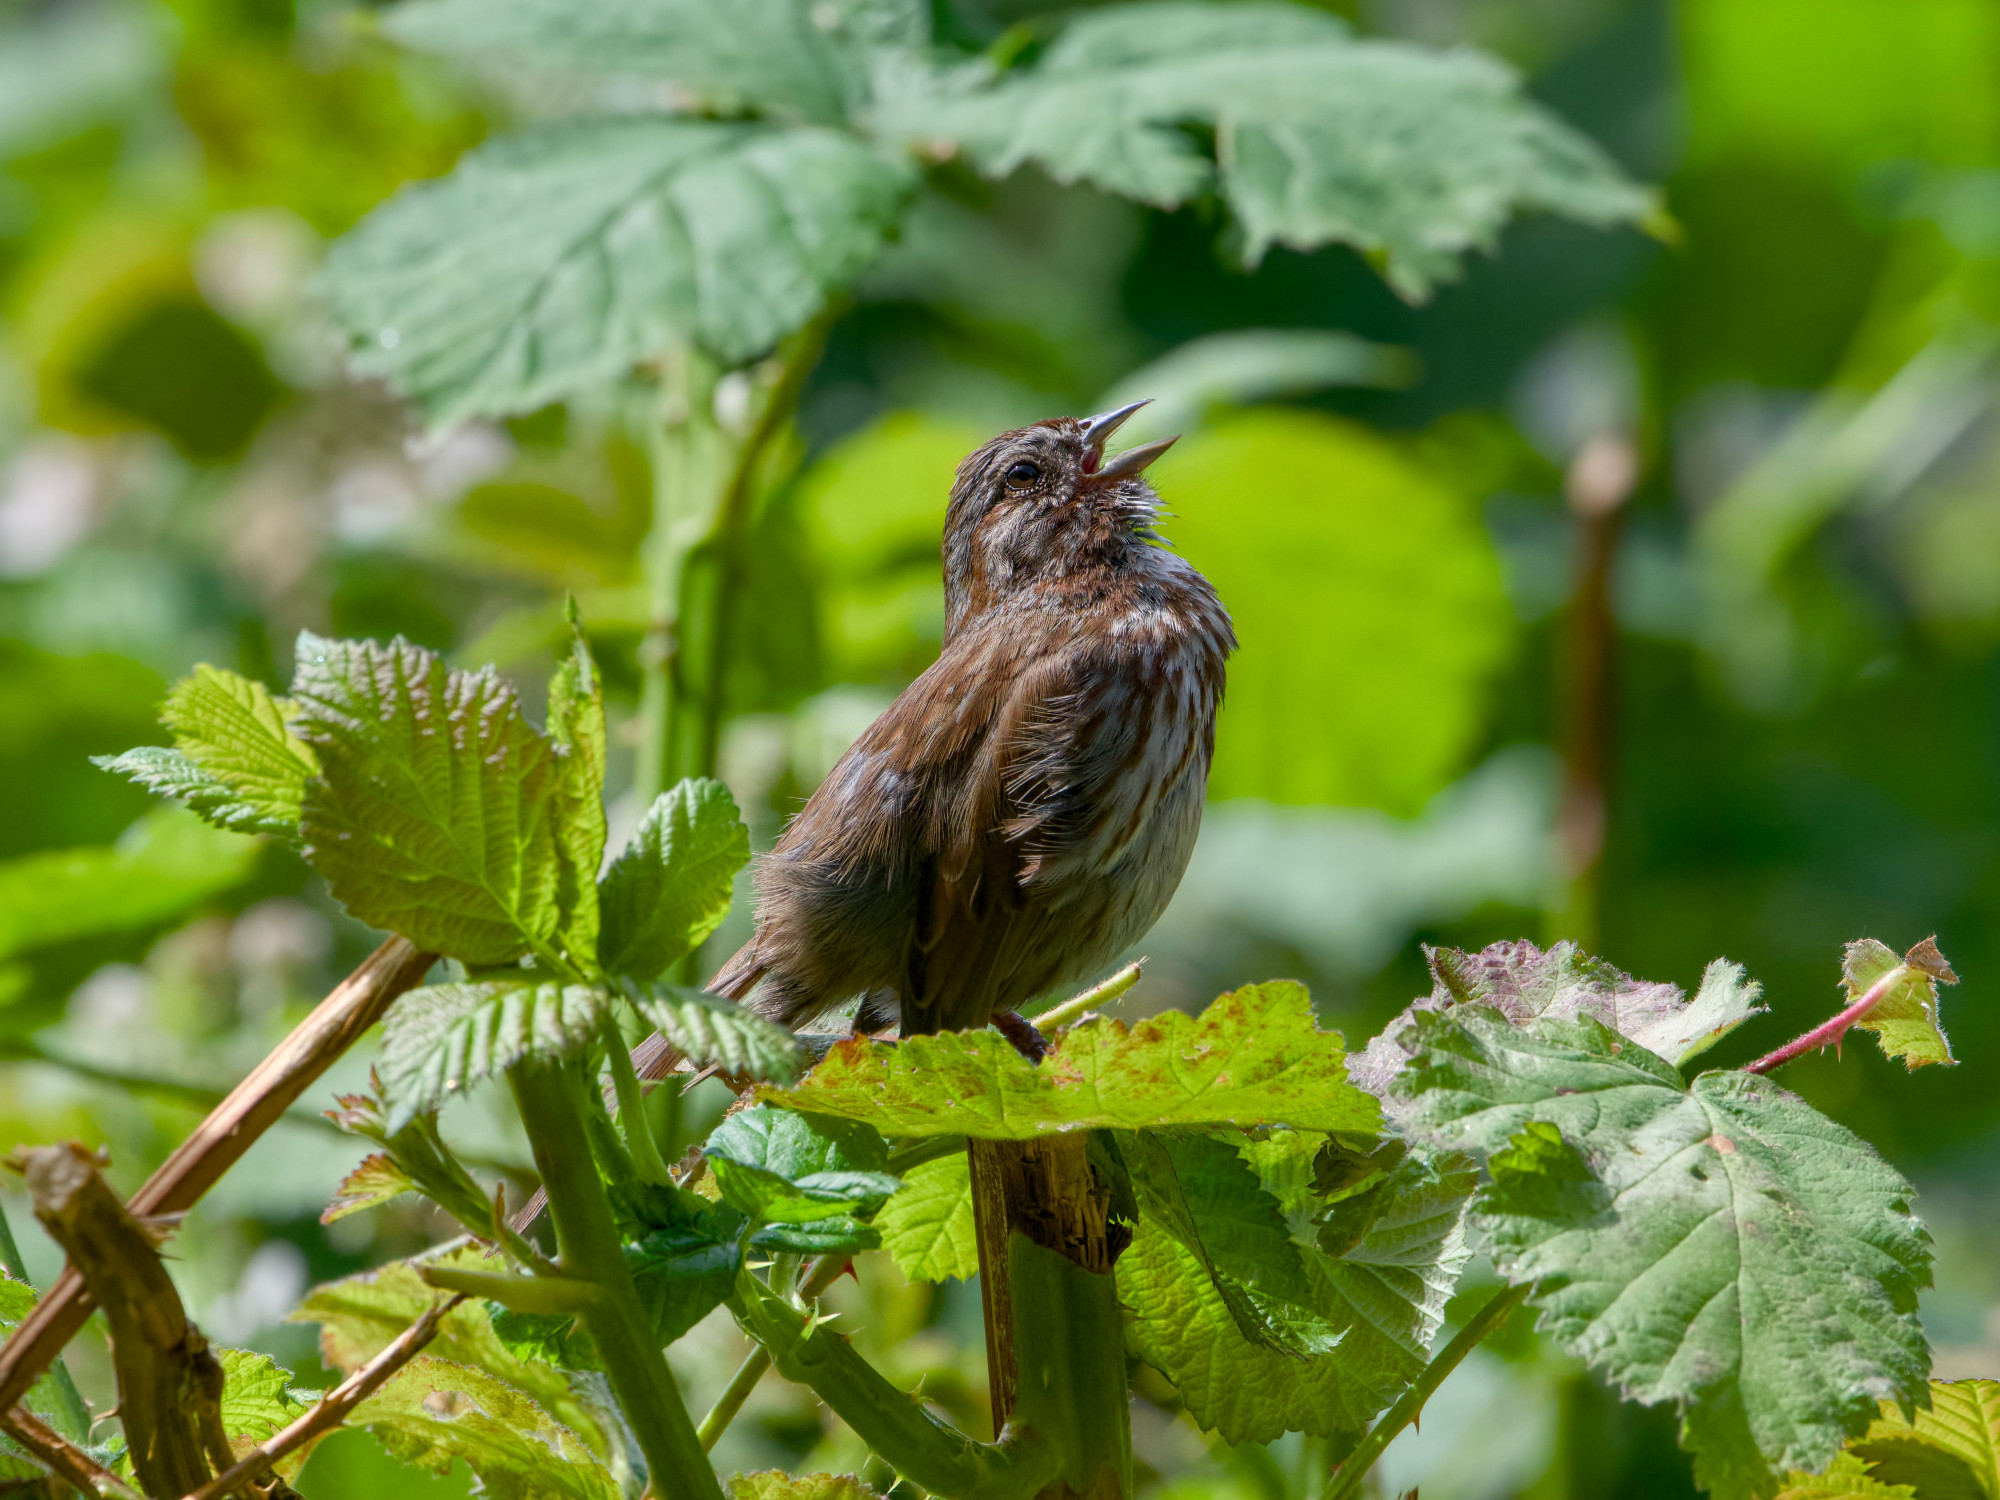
{"x": 70, "y": 1463}
{"x": 249, "y": 1110}
{"x": 333, "y": 1408}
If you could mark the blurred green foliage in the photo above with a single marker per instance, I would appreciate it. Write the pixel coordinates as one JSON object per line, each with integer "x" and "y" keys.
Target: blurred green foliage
{"x": 1807, "y": 590}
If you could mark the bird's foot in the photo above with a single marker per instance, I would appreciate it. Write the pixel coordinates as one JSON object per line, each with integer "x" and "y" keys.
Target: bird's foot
{"x": 1019, "y": 1030}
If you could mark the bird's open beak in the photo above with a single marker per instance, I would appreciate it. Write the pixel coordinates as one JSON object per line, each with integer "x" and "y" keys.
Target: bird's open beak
{"x": 1097, "y": 429}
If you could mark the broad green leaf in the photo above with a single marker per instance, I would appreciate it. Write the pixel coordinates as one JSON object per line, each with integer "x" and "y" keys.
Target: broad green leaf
{"x": 555, "y": 1339}
{"x": 1385, "y": 1299}
{"x": 232, "y": 729}
{"x": 1951, "y": 1452}
{"x": 927, "y": 1225}
{"x": 1526, "y": 984}
{"x": 1719, "y": 1244}
{"x": 840, "y": 1235}
{"x": 435, "y": 813}
{"x": 360, "y": 1316}
{"x": 576, "y": 725}
{"x": 776, "y": 1165}
{"x": 1254, "y": 1057}
{"x": 1905, "y": 1016}
{"x": 679, "y": 1286}
{"x": 670, "y": 886}
{"x": 1411, "y": 155}
{"x": 1316, "y": 529}
{"x": 434, "y": 1412}
{"x": 259, "y": 1401}
{"x": 714, "y": 1032}
{"x": 1846, "y": 1478}
{"x": 377, "y": 1180}
{"x": 803, "y": 59}
{"x": 625, "y": 235}
{"x": 775, "y": 1484}
{"x": 165, "y": 865}
{"x": 444, "y": 1038}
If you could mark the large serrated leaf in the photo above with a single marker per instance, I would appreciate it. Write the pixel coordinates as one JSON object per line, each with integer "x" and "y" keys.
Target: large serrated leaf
{"x": 803, "y": 59}
{"x": 1719, "y": 1244}
{"x": 1254, "y": 1057}
{"x": 436, "y": 809}
{"x": 1412, "y": 154}
{"x": 1384, "y": 1298}
{"x": 551, "y": 261}
{"x": 1951, "y": 1452}
{"x": 927, "y": 1226}
{"x": 780, "y": 1166}
{"x": 444, "y": 1038}
{"x": 670, "y": 886}
{"x": 259, "y": 1401}
{"x": 713, "y": 1032}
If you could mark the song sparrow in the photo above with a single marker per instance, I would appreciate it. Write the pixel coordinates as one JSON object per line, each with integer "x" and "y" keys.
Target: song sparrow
{"x": 1025, "y": 809}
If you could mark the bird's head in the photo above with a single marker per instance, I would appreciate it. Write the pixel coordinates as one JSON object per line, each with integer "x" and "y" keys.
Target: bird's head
{"x": 1043, "y": 503}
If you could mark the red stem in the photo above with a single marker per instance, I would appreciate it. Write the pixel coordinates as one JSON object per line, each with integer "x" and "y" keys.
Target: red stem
{"x": 1828, "y": 1033}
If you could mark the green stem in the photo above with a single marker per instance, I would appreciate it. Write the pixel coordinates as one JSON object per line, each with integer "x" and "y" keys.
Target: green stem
{"x": 730, "y": 1402}
{"x": 639, "y": 1142}
{"x": 522, "y": 1294}
{"x": 1353, "y": 1471}
{"x": 546, "y": 1094}
{"x": 930, "y": 1148}
{"x": 1098, "y": 994}
{"x": 907, "y": 1437}
{"x": 67, "y": 1412}
{"x": 1070, "y": 1387}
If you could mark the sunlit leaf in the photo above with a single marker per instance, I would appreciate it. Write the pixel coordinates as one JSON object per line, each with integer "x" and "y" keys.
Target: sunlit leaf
{"x": 712, "y": 1032}
{"x": 576, "y": 725}
{"x": 624, "y": 235}
{"x": 1720, "y": 1245}
{"x": 377, "y": 1180}
{"x": 927, "y": 1225}
{"x": 441, "y": 1040}
{"x": 436, "y": 812}
{"x": 670, "y": 886}
{"x": 1408, "y": 153}
{"x": 775, "y": 1484}
{"x": 1253, "y": 1057}
{"x": 1948, "y": 1452}
{"x": 1905, "y": 1016}
{"x": 258, "y": 1402}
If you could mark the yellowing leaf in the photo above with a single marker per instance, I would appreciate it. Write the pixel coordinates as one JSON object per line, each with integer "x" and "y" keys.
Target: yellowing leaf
{"x": 1952, "y": 1450}
{"x": 1904, "y": 1016}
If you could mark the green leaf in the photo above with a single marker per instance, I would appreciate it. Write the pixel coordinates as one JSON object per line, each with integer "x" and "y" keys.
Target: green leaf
{"x": 1846, "y": 1478}
{"x": 1719, "y": 1244}
{"x": 1385, "y": 1299}
{"x": 434, "y": 1412}
{"x": 576, "y": 725}
{"x": 1409, "y": 154}
{"x": 442, "y": 1039}
{"x": 678, "y": 1285}
{"x": 775, "y": 1484}
{"x": 435, "y": 815}
{"x": 165, "y": 865}
{"x": 1951, "y": 1452}
{"x": 803, "y": 59}
{"x": 625, "y": 235}
{"x": 232, "y": 729}
{"x": 557, "y": 1339}
{"x": 927, "y": 1225}
{"x": 258, "y": 1402}
{"x": 714, "y": 1032}
{"x": 780, "y": 1166}
{"x": 1254, "y": 1057}
{"x": 1526, "y": 984}
{"x": 842, "y": 1235}
{"x": 377, "y": 1180}
{"x": 1905, "y": 1018}
{"x": 670, "y": 886}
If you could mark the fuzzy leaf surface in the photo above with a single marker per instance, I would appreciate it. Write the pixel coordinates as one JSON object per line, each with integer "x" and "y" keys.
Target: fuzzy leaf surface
{"x": 927, "y": 1226}
{"x": 1720, "y": 1245}
{"x": 377, "y": 1180}
{"x": 552, "y": 260}
{"x": 576, "y": 725}
{"x": 715, "y": 1032}
{"x": 1384, "y": 1300}
{"x": 778, "y": 55}
{"x": 435, "y": 811}
{"x": 442, "y": 1039}
{"x": 1404, "y": 152}
{"x": 670, "y": 886}
{"x": 1905, "y": 1019}
{"x": 1253, "y": 1057}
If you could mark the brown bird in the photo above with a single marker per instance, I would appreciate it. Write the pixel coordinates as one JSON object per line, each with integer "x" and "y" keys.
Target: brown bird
{"x": 1024, "y": 811}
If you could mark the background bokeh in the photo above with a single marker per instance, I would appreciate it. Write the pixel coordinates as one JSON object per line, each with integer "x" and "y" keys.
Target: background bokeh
{"x": 1804, "y": 741}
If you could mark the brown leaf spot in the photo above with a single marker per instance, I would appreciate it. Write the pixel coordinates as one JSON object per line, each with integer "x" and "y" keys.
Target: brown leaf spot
{"x": 1722, "y": 1143}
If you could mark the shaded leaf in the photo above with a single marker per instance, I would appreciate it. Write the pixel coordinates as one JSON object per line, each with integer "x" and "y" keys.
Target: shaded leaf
{"x": 1403, "y": 152}
{"x": 776, "y": 1165}
{"x": 670, "y": 886}
{"x": 442, "y": 1039}
{"x": 804, "y": 59}
{"x": 1720, "y": 1245}
{"x": 435, "y": 812}
{"x": 927, "y": 1225}
{"x": 713, "y": 1032}
{"x": 1905, "y": 1017}
{"x": 627, "y": 234}
{"x": 1253, "y": 1057}
{"x": 576, "y": 725}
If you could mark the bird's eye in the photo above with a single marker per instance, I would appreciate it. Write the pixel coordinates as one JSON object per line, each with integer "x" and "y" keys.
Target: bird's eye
{"x": 1023, "y": 474}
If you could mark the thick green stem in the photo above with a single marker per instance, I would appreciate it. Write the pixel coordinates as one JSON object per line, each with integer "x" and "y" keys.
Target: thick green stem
{"x": 66, "y": 1411}
{"x": 894, "y": 1424}
{"x": 547, "y": 1094}
{"x": 1353, "y": 1471}
{"x": 639, "y": 1142}
{"x": 1069, "y": 1371}
{"x": 730, "y": 1402}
